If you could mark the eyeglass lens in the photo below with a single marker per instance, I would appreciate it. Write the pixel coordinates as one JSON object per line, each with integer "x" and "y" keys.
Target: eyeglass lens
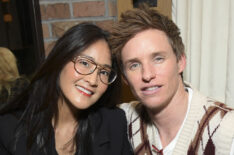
{"x": 86, "y": 66}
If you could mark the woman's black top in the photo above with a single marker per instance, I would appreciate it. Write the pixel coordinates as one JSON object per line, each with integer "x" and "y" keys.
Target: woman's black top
{"x": 110, "y": 136}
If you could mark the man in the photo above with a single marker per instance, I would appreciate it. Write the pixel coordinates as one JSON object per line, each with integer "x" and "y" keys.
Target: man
{"x": 170, "y": 117}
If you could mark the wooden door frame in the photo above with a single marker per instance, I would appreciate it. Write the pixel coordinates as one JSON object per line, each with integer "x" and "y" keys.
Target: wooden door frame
{"x": 163, "y": 6}
{"x": 37, "y": 30}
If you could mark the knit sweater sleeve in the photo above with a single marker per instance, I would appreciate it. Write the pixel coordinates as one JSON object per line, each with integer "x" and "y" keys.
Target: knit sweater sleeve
{"x": 225, "y": 134}
{"x": 232, "y": 148}
{"x": 129, "y": 109}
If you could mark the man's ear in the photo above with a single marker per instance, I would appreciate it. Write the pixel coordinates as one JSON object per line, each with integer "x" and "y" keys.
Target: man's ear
{"x": 182, "y": 63}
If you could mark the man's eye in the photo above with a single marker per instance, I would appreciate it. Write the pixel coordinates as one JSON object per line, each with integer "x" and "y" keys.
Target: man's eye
{"x": 159, "y": 59}
{"x": 134, "y": 66}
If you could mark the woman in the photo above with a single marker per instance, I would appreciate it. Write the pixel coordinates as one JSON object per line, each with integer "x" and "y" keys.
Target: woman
{"x": 11, "y": 83}
{"x": 64, "y": 110}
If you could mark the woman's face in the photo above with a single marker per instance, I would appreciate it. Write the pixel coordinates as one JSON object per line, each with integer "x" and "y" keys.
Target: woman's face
{"x": 84, "y": 90}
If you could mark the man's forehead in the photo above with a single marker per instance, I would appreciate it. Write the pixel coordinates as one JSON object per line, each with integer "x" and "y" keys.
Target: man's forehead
{"x": 145, "y": 42}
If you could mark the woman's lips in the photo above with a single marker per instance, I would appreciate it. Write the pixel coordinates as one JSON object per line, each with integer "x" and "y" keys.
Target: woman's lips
{"x": 84, "y": 91}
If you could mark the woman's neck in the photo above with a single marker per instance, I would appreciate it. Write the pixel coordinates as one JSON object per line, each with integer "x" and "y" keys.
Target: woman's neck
{"x": 66, "y": 113}
{"x": 65, "y": 128}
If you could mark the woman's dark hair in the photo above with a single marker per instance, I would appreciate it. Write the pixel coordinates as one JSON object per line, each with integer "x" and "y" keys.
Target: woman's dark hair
{"x": 37, "y": 105}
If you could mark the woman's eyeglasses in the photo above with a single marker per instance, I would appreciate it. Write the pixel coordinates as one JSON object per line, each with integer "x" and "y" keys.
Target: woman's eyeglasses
{"x": 86, "y": 66}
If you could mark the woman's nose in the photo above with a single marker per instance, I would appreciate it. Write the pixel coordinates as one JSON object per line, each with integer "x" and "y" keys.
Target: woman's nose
{"x": 93, "y": 78}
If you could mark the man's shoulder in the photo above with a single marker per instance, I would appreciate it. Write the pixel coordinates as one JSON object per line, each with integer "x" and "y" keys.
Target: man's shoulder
{"x": 201, "y": 100}
{"x": 8, "y": 120}
{"x": 130, "y": 107}
{"x": 129, "y": 104}
{"x": 211, "y": 108}
{"x": 132, "y": 110}
{"x": 225, "y": 112}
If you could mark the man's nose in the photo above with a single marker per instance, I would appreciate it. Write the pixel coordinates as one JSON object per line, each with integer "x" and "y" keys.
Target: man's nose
{"x": 148, "y": 73}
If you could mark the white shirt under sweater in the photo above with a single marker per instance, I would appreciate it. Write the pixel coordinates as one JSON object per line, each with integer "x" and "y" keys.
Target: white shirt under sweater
{"x": 155, "y": 138}
{"x": 170, "y": 147}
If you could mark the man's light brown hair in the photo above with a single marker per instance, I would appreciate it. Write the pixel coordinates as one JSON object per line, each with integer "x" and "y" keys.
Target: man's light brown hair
{"x": 139, "y": 19}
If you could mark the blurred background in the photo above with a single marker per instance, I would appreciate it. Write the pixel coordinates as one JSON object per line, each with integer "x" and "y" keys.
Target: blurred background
{"x": 29, "y": 28}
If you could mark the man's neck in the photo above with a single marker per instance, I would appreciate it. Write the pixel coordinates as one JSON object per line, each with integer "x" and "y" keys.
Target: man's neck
{"x": 169, "y": 120}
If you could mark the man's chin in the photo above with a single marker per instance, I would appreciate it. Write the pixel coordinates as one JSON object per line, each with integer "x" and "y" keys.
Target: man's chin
{"x": 154, "y": 106}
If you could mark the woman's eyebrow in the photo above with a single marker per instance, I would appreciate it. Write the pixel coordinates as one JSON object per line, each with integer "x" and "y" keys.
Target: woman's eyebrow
{"x": 91, "y": 58}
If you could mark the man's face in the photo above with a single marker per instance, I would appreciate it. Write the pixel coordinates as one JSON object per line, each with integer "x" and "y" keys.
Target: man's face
{"x": 151, "y": 68}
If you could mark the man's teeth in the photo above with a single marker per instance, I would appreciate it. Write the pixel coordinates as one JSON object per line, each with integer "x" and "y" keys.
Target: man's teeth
{"x": 84, "y": 90}
{"x": 152, "y": 88}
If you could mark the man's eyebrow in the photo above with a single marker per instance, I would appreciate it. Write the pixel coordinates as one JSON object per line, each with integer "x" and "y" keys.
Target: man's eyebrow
{"x": 159, "y": 53}
{"x": 131, "y": 60}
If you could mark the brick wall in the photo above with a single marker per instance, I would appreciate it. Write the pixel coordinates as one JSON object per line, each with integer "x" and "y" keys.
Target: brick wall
{"x": 59, "y": 15}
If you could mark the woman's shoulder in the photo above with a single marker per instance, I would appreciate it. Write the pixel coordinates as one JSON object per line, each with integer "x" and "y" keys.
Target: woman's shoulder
{"x": 8, "y": 119}
{"x": 111, "y": 116}
{"x": 111, "y": 112}
{"x": 8, "y": 123}
{"x": 111, "y": 133}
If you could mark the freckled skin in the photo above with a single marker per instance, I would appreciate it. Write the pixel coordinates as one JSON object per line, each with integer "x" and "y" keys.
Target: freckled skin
{"x": 149, "y": 62}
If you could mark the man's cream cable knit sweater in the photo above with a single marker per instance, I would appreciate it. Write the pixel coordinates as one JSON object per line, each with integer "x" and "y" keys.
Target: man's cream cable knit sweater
{"x": 208, "y": 128}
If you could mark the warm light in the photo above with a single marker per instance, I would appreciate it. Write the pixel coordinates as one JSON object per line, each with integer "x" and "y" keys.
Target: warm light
{"x": 7, "y": 18}
{"x": 5, "y": 0}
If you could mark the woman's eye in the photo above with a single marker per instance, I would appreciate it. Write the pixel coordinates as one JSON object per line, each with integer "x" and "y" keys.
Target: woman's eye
{"x": 84, "y": 63}
{"x": 105, "y": 72}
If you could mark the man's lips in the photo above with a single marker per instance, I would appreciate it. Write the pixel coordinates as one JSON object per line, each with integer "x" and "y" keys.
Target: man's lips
{"x": 150, "y": 90}
{"x": 84, "y": 91}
